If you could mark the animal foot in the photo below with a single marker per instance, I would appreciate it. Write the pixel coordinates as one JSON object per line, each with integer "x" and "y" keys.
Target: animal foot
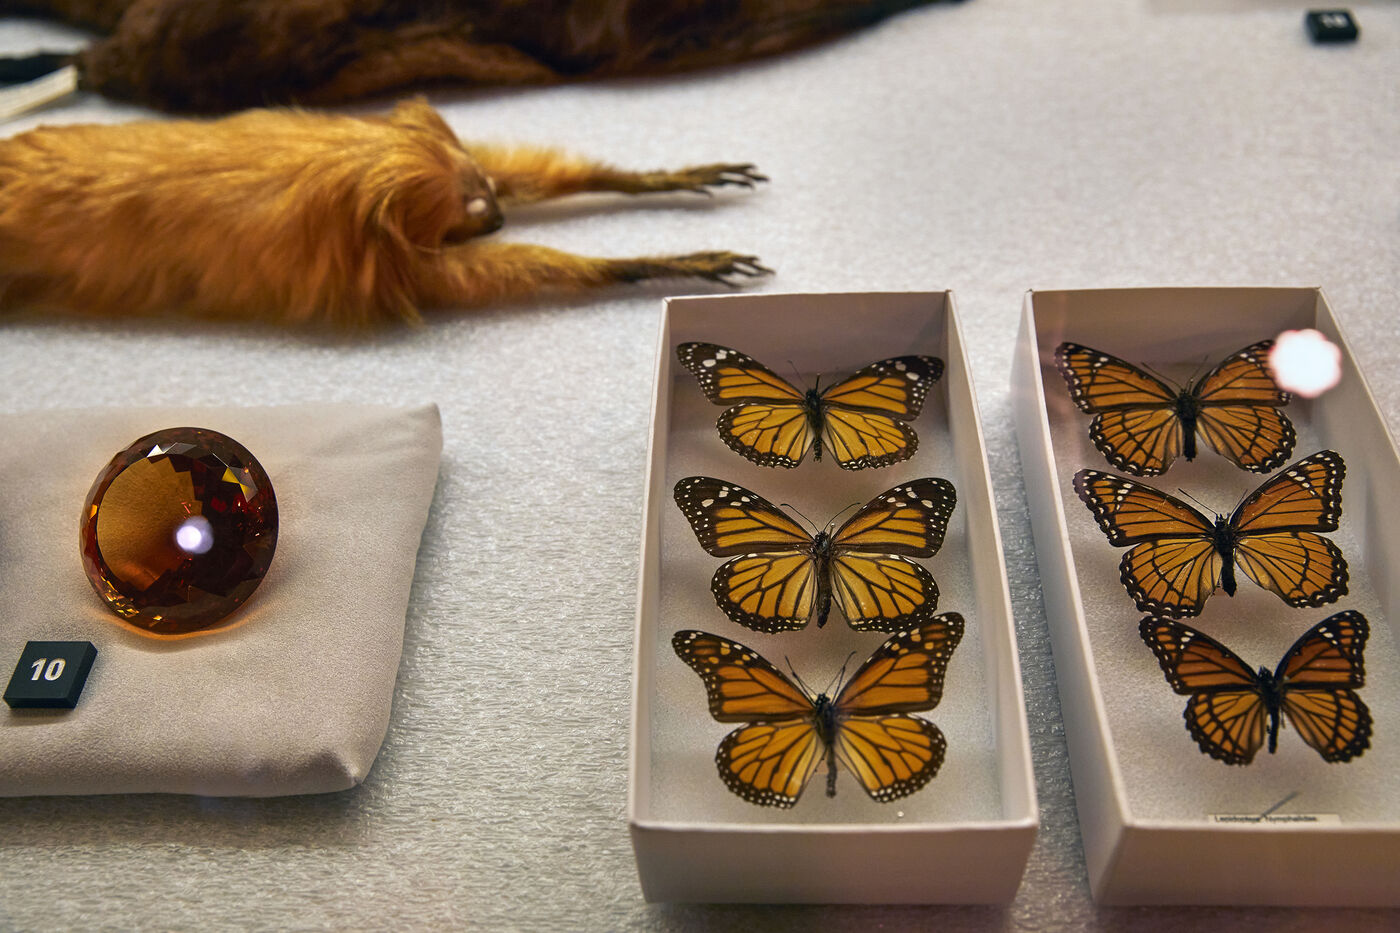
{"x": 701, "y": 178}
{"x": 721, "y": 266}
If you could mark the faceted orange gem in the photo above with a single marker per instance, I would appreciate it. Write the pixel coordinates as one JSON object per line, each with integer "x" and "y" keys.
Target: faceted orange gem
{"x": 178, "y": 530}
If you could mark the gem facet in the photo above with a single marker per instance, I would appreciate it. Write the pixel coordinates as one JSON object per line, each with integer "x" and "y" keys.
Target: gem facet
{"x": 178, "y": 530}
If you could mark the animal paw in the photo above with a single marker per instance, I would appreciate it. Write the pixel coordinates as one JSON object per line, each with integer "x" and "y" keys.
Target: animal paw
{"x": 720, "y": 266}
{"x": 701, "y": 178}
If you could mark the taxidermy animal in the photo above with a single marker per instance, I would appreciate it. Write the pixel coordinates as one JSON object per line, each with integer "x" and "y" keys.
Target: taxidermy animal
{"x": 220, "y": 55}
{"x": 301, "y": 217}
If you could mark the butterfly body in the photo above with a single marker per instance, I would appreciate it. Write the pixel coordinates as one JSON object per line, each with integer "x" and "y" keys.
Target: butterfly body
{"x": 779, "y": 577}
{"x": 1233, "y": 710}
{"x": 1271, "y": 695}
{"x": 1224, "y": 538}
{"x": 860, "y": 420}
{"x": 1141, "y": 425}
{"x": 1188, "y": 409}
{"x": 786, "y": 735}
{"x": 1177, "y": 556}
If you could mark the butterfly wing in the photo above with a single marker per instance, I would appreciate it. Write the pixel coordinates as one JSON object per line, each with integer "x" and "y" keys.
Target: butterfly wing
{"x": 1135, "y": 422}
{"x": 770, "y": 585}
{"x": 729, "y": 519}
{"x": 1173, "y": 565}
{"x": 1319, "y": 677}
{"x": 768, "y": 423}
{"x": 771, "y": 435}
{"x": 727, "y": 376}
{"x": 741, "y": 685}
{"x": 767, "y": 592}
{"x": 1226, "y": 714}
{"x": 1239, "y": 415}
{"x": 770, "y": 760}
{"x": 863, "y": 416}
{"x": 892, "y": 754}
{"x": 905, "y": 674}
{"x": 897, "y": 387}
{"x": 1278, "y": 546}
{"x": 770, "y": 763}
{"x": 875, "y": 586}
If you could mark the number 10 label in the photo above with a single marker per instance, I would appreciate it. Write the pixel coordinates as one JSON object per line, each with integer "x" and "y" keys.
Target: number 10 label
{"x": 50, "y": 675}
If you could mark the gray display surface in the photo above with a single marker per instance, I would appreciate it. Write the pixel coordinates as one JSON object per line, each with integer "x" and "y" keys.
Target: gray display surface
{"x": 987, "y": 147}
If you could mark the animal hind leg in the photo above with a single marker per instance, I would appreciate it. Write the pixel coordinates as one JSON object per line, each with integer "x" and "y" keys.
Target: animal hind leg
{"x": 525, "y": 174}
{"x": 479, "y": 273}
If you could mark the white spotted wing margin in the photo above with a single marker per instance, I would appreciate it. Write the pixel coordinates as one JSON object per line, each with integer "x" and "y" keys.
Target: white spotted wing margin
{"x": 861, "y": 420}
{"x": 779, "y": 576}
{"x": 1232, "y": 710}
{"x": 787, "y": 734}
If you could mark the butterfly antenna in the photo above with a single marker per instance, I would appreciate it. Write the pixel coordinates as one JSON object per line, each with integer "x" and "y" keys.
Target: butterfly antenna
{"x": 1148, "y": 368}
{"x": 832, "y": 524}
{"x": 839, "y": 680}
{"x": 797, "y": 377}
{"x": 1187, "y": 495}
{"x": 797, "y": 678}
{"x": 791, "y": 508}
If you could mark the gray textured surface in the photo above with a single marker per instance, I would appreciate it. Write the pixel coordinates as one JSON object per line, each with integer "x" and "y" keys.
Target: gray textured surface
{"x": 986, "y": 147}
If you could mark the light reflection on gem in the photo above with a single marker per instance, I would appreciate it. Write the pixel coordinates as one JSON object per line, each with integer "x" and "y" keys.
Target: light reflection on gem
{"x": 195, "y": 535}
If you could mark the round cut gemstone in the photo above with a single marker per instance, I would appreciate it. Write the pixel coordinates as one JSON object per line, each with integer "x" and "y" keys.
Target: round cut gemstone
{"x": 178, "y": 530}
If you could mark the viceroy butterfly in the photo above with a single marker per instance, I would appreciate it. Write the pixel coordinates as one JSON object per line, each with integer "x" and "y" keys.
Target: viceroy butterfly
{"x": 1233, "y": 709}
{"x": 780, "y": 575}
{"x": 860, "y": 420}
{"x": 1179, "y": 556}
{"x": 788, "y": 734}
{"x": 1141, "y": 425}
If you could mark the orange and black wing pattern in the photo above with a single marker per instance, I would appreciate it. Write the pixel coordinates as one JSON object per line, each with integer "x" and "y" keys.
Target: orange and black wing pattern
{"x": 871, "y": 576}
{"x": 861, "y": 420}
{"x": 770, "y": 584}
{"x": 1238, "y": 411}
{"x": 770, "y": 760}
{"x": 1173, "y": 564}
{"x": 1227, "y": 714}
{"x": 1320, "y": 675}
{"x": 1141, "y": 425}
{"x": 865, "y": 418}
{"x": 1135, "y": 422}
{"x": 779, "y": 576}
{"x": 1232, "y": 710}
{"x": 1277, "y": 541}
{"x": 787, "y": 735}
{"x": 768, "y": 422}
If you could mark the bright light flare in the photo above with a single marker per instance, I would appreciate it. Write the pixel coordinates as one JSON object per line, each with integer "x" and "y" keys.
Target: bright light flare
{"x": 195, "y": 535}
{"x": 1305, "y": 362}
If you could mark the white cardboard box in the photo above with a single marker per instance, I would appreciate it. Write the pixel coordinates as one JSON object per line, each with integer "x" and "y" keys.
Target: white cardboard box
{"x": 1147, "y": 797}
{"x": 966, "y": 836}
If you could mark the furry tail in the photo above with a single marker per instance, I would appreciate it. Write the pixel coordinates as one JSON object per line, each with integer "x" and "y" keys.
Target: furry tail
{"x": 229, "y": 54}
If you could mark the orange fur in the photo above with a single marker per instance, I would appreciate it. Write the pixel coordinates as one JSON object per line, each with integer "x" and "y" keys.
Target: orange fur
{"x": 299, "y": 217}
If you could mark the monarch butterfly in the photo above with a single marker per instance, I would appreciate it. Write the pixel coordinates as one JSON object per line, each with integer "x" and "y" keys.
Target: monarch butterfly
{"x": 1315, "y": 685}
{"x": 860, "y": 419}
{"x": 1141, "y": 425}
{"x": 789, "y": 733}
{"x": 782, "y": 574}
{"x": 1180, "y": 556}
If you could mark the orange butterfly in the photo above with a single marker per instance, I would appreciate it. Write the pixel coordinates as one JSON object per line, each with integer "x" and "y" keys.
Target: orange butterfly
{"x": 1179, "y": 556}
{"x": 788, "y": 733}
{"x": 780, "y": 575}
{"x": 1141, "y": 425}
{"x": 1314, "y": 685}
{"x": 860, "y": 419}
